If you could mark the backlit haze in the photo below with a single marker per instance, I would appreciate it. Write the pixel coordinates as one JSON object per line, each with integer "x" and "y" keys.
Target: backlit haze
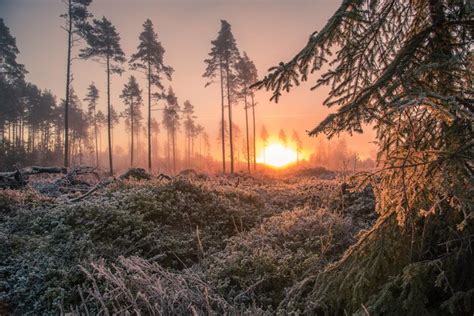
{"x": 269, "y": 31}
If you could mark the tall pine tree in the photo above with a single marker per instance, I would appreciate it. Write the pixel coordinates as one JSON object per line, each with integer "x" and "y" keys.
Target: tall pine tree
{"x": 92, "y": 98}
{"x": 75, "y": 20}
{"x": 221, "y": 62}
{"x": 132, "y": 97}
{"x": 149, "y": 58}
{"x": 246, "y": 76}
{"x": 104, "y": 43}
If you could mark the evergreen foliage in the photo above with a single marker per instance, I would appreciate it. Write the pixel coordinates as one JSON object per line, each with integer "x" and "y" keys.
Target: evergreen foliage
{"x": 221, "y": 63}
{"x": 406, "y": 68}
{"x": 104, "y": 43}
{"x": 150, "y": 58}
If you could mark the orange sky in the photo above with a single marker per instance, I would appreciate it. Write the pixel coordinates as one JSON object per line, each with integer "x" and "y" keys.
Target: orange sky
{"x": 270, "y": 31}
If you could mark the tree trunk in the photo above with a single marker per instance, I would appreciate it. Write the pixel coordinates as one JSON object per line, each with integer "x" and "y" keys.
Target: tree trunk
{"x": 229, "y": 102}
{"x": 247, "y": 131}
{"x": 222, "y": 119}
{"x": 109, "y": 119}
{"x": 254, "y": 137}
{"x": 68, "y": 82}
{"x": 132, "y": 118}
{"x": 149, "y": 117}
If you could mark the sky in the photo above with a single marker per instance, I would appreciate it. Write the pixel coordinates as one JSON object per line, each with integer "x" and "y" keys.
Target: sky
{"x": 270, "y": 31}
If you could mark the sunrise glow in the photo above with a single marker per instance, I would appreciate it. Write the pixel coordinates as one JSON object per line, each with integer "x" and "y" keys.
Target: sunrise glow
{"x": 277, "y": 155}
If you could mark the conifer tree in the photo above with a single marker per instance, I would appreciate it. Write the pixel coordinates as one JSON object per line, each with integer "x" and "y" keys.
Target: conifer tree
{"x": 150, "y": 58}
{"x": 222, "y": 59}
{"x": 246, "y": 76}
{"x": 264, "y": 136}
{"x": 295, "y": 137}
{"x": 91, "y": 98}
{"x": 132, "y": 97}
{"x": 189, "y": 128}
{"x": 282, "y": 137}
{"x": 171, "y": 123}
{"x": 11, "y": 78}
{"x": 405, "y": 67}
{"x": 75, "y": 20}
{"x": 104, "y": 43}
{"x": 10, "y": 70}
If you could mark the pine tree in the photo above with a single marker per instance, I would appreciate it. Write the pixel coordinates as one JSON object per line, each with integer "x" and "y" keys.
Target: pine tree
{"x": 132, "y": 97}
{"x": 91, "y": 98}
{"x": 75, "y": 26}
{"x": 13, "y": 91}
{"x": 246, "y": 76}
{"x": 264, "y": 137}
{"x": 10, "y": 70}
{"x": 222, "y": 59}
{"x": 405, "y": 67}
{"x": 149, "y": 57}
{"x": 189, "y": 128}
{"x": 104, "y": 43}
{"x": 282, "y": 137}
{"x": 171, "y": 123}
{"x": 295, "y": 137}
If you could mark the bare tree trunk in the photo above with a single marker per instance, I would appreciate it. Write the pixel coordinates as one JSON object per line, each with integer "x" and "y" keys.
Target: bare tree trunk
{"x": 222, "y": 120}
{"x": 247, "y": 131}
{"x": 109, "y": 119}
{"x": 68, "y": 82}
{"x": 149, "y": 117}
{"x": 96, "y": 139}
{"x": 132, "y": 131}
{"x": 254, "y": 137}
{"x": 229, "y": 102}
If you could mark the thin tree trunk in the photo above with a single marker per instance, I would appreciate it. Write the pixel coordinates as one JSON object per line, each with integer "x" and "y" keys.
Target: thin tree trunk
{"x": 231, "y": 141}
{"x": 149, "y": 117}
{"x": 68, "y": 82}
{"x": 132, "y": 131}
{"x": 222, "y": 119}
{"x": 109, "y": 119}
{"x": 254, "y": 137}
{"x": 247, "y": 130}
{"x": 173, "y": 139}
{"x": 96, "y": 140}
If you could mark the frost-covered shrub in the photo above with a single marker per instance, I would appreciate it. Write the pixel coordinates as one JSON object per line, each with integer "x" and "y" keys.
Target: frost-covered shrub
{"x": 258, "y": 265}
{"x": 174, "y": 223}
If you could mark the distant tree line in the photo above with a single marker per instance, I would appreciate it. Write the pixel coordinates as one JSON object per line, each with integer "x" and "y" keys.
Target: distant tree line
{"x": 37, "y": 129}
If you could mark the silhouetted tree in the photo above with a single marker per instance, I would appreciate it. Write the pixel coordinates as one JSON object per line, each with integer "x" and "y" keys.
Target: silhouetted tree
{"x": 149, "y": 57}
{"x": 155, "y": 130}
{"x": 246, "y": 76}
{"x": 171, "y": 123}
{"x": 75, "y": 25}
{"x": 91, "y": 98}
{"x": 223, "y": 57}
{"x": 11, "y": 83}
{"x": 101, "y": 121}
{"x": 264, "y": 136}
{"x": 189, "y": 128}
{"x": 282, "y": 137}
{"x": 295, "y": 137}
{"x": 132, "y": 97}
{"x": 10, "y": 70}
{"x": 104, "y": 43}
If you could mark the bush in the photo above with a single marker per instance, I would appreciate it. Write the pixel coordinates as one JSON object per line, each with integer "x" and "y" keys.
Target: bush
{"x": 256, "y": 267}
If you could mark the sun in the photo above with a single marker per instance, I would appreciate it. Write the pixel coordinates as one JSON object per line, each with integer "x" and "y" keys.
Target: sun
{"x": 277, "y": 155}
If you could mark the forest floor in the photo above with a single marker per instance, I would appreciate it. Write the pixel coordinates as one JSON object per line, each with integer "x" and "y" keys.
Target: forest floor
{"x": 194, "y": 244}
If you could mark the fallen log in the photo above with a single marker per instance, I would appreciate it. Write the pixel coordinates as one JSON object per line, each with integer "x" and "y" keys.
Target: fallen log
{"x": 137, "y": 173}
{"x": 13, "y": 180}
